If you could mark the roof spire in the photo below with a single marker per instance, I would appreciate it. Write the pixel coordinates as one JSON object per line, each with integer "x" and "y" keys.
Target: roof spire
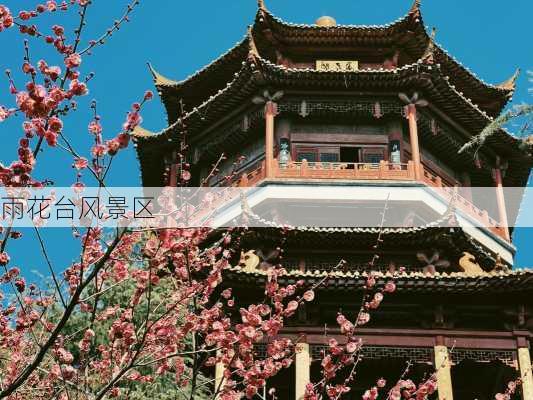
{"x": 415, "y": 8}
{"x": 160, "y": 80}
{"x": 429, "y": 55}
{"x": 510, "y": 84}
{"x": 261, "y": 5}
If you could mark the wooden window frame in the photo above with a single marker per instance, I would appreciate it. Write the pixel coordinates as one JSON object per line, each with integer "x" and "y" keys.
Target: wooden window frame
{"x": 374, "y": 150}
{"x": 318, "y": 150}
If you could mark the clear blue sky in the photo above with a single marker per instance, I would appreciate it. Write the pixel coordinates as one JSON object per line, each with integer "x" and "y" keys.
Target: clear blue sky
{"x": 178, "y": 37}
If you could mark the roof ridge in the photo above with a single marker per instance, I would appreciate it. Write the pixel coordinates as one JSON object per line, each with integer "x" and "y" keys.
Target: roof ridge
{"x": 413, "y": 11}
{"x": 381, "y": 274}
{"x": 446, "y": 53}
{"x": 253, "y": 52}
{"x": 204, "y": 104}
{"x": 202, "y": 70}
{"x": 429, "y": 53}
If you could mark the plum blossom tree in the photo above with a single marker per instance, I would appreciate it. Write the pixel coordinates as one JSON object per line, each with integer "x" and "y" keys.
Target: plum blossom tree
{"x": 140, "y": 312}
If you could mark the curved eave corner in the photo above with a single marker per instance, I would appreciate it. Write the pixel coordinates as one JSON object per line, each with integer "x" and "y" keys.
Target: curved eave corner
{"x": 165, "y": 84}
{"x": 160, "y": 81}
{"x": 501, "y": 93}
{"x": 140, "y": 132}
{"x": 510, "y": 84}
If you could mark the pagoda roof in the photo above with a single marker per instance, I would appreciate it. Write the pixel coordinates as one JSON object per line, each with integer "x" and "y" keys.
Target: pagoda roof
{"x": 199, "y": 86}
{"x": 430, "y": 236}
{"x": 257, "y": 73}
{"x": 269, "y": 33}
{"x": 510, "y": 281}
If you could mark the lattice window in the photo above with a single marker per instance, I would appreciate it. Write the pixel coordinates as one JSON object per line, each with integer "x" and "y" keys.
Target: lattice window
{"x": 308, "y": 107}
{"x": 508, "y": 357}
{"x": 326, "y": 263}
{"x": 414, "y": 354}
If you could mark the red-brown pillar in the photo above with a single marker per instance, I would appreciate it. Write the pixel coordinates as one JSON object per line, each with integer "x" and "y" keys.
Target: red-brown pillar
{"x": 500, "y": 199}
{"x": 271, "y": 110}
{"x": 173, "y": 172}
{"x": 413, "y": 138}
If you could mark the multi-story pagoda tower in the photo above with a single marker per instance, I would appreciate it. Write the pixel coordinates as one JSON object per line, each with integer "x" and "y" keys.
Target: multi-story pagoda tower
{"x": 330, "y": 106}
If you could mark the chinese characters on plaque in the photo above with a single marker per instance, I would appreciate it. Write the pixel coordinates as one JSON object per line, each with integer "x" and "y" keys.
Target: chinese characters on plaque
{"x": 337, "y": 65}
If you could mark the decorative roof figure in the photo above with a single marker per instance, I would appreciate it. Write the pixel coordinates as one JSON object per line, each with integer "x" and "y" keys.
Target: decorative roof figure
{"x": 415, "y": 8}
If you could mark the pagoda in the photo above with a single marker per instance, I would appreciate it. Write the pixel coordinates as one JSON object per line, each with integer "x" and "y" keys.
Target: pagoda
{"x": 335, "y": 106}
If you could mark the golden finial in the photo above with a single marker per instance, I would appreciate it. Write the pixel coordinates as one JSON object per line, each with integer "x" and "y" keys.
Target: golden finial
{"x": 261, "y": 4}
{"x": 510, "y": 84}
{"x": 326, "y": 21}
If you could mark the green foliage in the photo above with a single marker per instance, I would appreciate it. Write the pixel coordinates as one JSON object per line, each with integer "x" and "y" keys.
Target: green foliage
{"x": 478, "y": 141}
{"x": 163, "y": 387}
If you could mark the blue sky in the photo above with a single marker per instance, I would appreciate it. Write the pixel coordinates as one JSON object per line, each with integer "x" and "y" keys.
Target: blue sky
{"x": 178, "y": 37}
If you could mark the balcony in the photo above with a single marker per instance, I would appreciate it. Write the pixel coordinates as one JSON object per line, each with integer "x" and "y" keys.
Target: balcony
{"x": 383, "y": 171}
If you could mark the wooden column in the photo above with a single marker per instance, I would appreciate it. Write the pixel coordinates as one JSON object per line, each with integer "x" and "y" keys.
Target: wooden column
{"x": 173, "y": 175}
{"x": 173, "y": 171}
{"x": 413, "y": 138}
{"x": 500, "y": 199}
{"x": 524, "y": 362}
{"x": 303, "y": 369}
{"x": 443, "y": 368}
{"x": 270, "y": 113}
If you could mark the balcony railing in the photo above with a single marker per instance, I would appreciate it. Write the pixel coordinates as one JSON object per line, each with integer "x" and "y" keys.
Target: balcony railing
{"x": 383, "y": 171}
{"x": 339, "y": 170}
{"x": 329, "y": 170}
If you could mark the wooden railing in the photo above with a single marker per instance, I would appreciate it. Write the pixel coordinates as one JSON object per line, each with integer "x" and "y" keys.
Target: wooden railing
{"x": 449, "y": 192}
{"x": 253, "y": 177}
{"x": 383, "y": 171}
{"x": 352, "y": 171}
